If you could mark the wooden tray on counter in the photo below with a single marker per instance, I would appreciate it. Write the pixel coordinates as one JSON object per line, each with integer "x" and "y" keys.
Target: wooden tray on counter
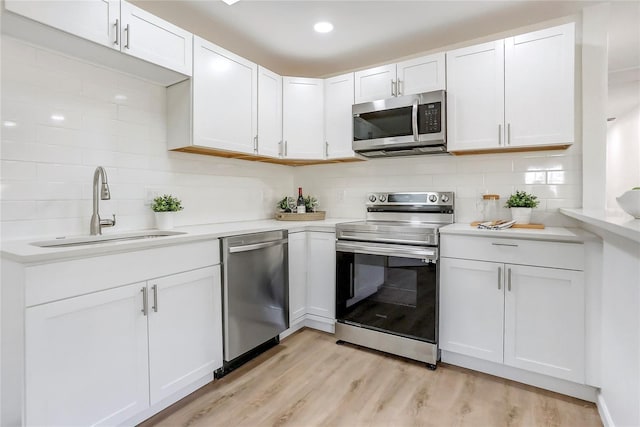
{"x": 530, "y": 226}
{"x": 310, "y": 216}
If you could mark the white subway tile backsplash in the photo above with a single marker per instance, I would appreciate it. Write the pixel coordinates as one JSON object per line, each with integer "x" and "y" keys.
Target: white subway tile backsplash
{"x": 11, "y": 210}
{"x": 16, "y": 170}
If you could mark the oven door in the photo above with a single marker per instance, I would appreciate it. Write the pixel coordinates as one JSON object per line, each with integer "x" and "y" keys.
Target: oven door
{"x": 387, "y": 287}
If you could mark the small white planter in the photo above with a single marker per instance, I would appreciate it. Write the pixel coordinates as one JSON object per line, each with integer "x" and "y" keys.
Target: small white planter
{"x": 164, "y": 220}
{"x": 521, "y": 215}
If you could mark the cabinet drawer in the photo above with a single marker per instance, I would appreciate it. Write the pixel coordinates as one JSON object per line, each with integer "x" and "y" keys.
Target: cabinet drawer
{"x": 65, "y": 279}
{"x": 514, "y": 251}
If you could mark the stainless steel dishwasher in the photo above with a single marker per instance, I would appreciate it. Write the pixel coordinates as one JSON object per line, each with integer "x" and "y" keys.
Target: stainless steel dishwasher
{"x": 255, "y": 294}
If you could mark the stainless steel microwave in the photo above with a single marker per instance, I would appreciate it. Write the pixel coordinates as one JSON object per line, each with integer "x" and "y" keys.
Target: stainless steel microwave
{"x": 406, "y": 125}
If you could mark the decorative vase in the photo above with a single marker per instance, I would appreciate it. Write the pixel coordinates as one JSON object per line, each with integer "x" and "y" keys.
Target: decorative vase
{"x": 164, "y": 220}
{"x": 521, "y": 215}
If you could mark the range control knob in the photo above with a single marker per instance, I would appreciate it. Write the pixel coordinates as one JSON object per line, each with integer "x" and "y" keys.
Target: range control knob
{"x": 382, "y": 198}
{"x": 433, "y": 198}
{"x": 372, "y": 198}
{"x": 445, "y": 198}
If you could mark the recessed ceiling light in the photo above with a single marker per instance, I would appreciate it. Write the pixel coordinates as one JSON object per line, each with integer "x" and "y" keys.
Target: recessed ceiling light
{"x": 323, "y": 27}
{"x": 57, "y": 117}
{"x": 230, "y": 2}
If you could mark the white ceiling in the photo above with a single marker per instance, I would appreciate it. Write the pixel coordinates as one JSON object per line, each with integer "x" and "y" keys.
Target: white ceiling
{"x": 280, "y": 36}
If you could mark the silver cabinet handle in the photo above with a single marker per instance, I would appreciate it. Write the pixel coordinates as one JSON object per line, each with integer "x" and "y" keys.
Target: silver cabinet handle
{"x": 399, "y": 90}
{"x": 255, "y": 144}
{"x": 286, "y": 148}
{"x": 509, "y": 133}
{"x": 145, "y": 303}
{"x": 326, "y": 149}
{"x": 414, "y": 120}
{"x": 509, "y": 279}
{"x": 128, "y": 32}
{"x": 500, "y": 134}
{"x": 393, "y": 87}
{"x": 281, "y": 149}
{"x": 505, "y": 244}
{"x": 499, "y": 277}
{"x": 117, "y": 26}
{"x": 155, "y": 298}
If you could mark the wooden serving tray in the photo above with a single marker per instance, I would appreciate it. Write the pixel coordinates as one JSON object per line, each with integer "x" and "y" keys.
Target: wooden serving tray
{"x": 310, "y": 216}
{"x": 530, "y": 226}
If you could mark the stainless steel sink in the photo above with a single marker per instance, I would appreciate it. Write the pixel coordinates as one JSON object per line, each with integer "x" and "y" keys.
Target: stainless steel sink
{"x": 109, "y": 238}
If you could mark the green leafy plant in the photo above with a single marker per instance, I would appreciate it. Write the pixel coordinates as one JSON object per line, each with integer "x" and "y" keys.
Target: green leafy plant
{"x": 310, "y": 203}
{"x": 286, "y": 203}
{"x": 522, "y": 199}
{"x": 166, "y": 203}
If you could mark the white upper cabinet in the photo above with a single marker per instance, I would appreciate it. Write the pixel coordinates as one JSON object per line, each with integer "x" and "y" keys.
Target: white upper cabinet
{"x": 475, "y": 96}
{"x": 338, "y": 127}
{"x": 225, "y": 99}
{"x": 148, "y": 37}
{"x": 303, "y": 118}
{"x": 413, "y": 76}
{"x": 269, "y": 113}
{"x": 539, "y": 87}
{"x": 94, "y": 20}
{"x": 513, "y": 93}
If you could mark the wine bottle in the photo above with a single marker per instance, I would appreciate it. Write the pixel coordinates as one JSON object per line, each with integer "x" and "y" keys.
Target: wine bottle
{"x": 300, "y": 203}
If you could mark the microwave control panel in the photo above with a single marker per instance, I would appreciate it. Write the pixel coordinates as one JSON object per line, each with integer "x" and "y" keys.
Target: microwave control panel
{"x": 431, "y": 117}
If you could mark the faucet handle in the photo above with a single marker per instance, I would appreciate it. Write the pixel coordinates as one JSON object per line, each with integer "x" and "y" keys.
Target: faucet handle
{"x": 108, "y": 222}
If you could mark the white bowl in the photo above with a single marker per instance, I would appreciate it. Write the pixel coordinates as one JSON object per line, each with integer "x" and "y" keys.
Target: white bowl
{"x": 630, "y": 203}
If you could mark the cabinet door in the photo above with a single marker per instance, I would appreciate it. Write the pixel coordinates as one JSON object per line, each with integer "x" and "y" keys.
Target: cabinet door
{"x": 297, "y": 276}
{"x": 544, "y": 321}
{"x": 225, "y": 99}
{"x": 303, "y": 118}
{"x": 475, "y": 97}
{"x": 321, "y": 274}
{"x": 338, "y": 122}
{"x": 93, "y": 20}
{"x": 421, "y": 74}
{"x": 269, "y": 113}
{"x": 185, "y": 330}
{"x": 375, "y": 83}
{"x": 148, "y": 37}
{"x": 539, "y": 87}
{"x": 86, "y": 359}
{"x": 472, "y": 308}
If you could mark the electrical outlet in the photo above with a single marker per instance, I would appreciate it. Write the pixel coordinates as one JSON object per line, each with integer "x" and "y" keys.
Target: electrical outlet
{"x": 340, "y": 196}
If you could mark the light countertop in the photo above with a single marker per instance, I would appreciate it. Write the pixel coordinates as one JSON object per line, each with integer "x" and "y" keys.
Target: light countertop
{"x": 556, "y": 234}
{"x": 22, "y": 251}
{"x": 625, "y": 226}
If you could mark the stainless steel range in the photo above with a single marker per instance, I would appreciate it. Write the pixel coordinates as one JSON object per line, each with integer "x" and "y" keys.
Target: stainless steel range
{"x": 387, "y": 271}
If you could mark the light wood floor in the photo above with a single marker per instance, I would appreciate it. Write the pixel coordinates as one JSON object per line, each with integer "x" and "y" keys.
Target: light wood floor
{"x": 308, "y": 380}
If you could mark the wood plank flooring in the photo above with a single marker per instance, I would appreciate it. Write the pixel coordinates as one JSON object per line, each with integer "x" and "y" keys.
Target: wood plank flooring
{"x": 309, "y": 380}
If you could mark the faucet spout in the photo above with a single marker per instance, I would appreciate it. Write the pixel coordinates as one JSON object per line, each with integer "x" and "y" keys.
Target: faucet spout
{"x": 105, "y": 194}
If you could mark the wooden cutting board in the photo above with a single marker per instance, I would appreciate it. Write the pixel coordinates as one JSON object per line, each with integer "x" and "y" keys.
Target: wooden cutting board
{"x": 530, "y": 226}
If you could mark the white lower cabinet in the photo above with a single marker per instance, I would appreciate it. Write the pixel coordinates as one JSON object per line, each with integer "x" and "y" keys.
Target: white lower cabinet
{"x": 297, "y": 277}
{"x": 115, "y": 351}
{"x": 87, "y": 359}
{"x": 321, "y": 274}
{"x": 525, "y": 316}
{"x": 185, "y": 322}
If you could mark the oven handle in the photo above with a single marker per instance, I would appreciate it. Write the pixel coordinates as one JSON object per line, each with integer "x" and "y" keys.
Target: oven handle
{"x": 414, "y": 120}
{"x": 399, "y": 251}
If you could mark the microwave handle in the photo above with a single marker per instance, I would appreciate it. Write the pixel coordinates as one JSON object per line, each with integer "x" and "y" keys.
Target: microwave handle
{"x": 414, "y": 120}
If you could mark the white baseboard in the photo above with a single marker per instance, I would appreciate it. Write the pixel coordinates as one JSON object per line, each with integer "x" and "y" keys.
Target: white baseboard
{"x": 603, "y": 410}
{"x": 320, "y": 323}
{"x": 295, "y": 326}
{"x": 580, "y": 391}
{"x": 168, "y": 401}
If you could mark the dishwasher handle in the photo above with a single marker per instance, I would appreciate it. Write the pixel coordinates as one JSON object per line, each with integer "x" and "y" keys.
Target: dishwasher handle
{"x": 256, "y": 246}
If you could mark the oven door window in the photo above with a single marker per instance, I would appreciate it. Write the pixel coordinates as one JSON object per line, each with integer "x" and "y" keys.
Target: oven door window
{"x": 387, "y": 293}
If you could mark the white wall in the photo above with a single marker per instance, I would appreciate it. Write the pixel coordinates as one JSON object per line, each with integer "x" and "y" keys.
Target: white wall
{"x": 623, "y": 157}
{"x": 47, "y": 166}
{"x": 554, "y": 176}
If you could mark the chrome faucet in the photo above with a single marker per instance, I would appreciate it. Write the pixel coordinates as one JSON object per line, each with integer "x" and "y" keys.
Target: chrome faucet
{"x": 105, "y": 194}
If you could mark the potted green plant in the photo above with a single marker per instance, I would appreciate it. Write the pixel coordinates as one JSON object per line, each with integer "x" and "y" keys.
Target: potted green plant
{"x": 287, "y": 204}
{"x": 521, "y": 204}
{"x": 311, "y": 203}
{"x": 165, "y": 208}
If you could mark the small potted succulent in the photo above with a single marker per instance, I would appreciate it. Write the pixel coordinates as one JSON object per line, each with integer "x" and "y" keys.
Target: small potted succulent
{"x": 287, "y": 204}
{"x": 311, "y": 203}
{"x": 521, "y": 204}
{"x": 165, "y": 207}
